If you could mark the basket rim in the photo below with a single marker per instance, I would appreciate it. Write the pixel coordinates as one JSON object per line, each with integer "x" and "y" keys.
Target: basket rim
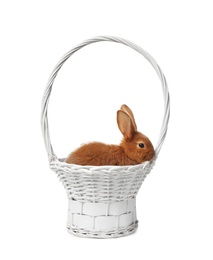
{"x": 90, "y": 168}
{"x": 45, "y": 101}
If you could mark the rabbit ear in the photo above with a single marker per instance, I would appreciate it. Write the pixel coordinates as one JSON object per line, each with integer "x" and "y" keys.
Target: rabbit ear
{"x": 126, "y": 109}
{"x": 125, "y": 125}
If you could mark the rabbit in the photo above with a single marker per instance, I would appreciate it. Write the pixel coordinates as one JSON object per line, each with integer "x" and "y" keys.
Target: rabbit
{"x": 135, "y": 147}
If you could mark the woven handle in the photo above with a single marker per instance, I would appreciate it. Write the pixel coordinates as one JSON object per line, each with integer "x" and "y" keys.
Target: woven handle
{"x": 45, "y": 101}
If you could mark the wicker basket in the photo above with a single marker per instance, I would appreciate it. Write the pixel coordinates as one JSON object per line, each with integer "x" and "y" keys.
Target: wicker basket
{"x": 101, "y": 200}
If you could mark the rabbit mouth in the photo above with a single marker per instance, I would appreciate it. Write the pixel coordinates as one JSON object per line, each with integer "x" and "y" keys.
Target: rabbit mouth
{"x": 149, "y": 156}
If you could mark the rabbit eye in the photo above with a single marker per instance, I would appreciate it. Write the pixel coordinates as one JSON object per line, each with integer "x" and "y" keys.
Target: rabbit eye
{"x": 141, "y": 145}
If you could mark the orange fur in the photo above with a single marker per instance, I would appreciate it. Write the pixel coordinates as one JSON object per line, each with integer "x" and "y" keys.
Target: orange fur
{"x": 99, "y": 154}
{"x": 127, "y": 153}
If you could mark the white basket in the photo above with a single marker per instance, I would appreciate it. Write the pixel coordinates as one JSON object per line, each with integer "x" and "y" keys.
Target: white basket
{"x": 102, "y": 199}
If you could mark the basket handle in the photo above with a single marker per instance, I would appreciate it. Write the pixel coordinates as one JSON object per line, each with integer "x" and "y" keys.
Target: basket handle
{"x": 47, "y": 92}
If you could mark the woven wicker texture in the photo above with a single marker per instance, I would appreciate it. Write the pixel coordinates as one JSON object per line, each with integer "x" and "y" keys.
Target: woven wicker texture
{"x": 103, "y": 186}
{"x": 102, "y": 217}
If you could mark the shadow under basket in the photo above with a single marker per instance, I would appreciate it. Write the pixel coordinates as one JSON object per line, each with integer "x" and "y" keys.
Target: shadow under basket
{"x": 101, "y": 199}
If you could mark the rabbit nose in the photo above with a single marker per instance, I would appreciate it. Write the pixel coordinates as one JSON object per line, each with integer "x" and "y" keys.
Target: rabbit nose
{"x": 150, "y": 155}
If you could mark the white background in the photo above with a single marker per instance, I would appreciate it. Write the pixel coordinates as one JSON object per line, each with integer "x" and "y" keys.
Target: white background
{"x": 175, "y": 202}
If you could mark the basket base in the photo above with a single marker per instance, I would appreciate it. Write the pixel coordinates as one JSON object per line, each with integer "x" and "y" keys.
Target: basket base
{"x": 102, "y": 219}
{"x": 116, "y": 233}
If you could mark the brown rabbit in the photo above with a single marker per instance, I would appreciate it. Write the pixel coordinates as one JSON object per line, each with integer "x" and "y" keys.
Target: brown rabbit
{"x": 135, "y": 148}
